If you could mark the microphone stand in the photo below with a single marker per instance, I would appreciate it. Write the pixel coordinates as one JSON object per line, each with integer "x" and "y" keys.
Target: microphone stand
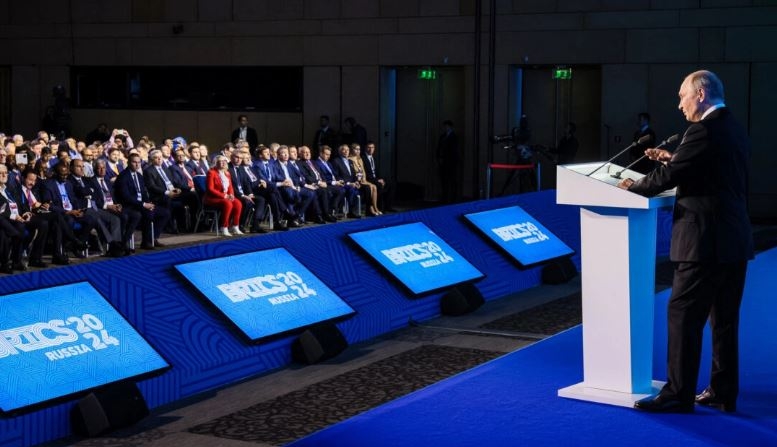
{"x": 644, "y": 139}
{"x": 671, "y": 139}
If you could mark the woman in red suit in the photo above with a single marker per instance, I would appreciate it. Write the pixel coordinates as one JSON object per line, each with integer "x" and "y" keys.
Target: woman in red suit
{"x": 220, "y": 195}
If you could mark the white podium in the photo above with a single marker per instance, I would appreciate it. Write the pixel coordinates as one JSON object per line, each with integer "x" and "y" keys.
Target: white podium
{"x": 618, "y": 250}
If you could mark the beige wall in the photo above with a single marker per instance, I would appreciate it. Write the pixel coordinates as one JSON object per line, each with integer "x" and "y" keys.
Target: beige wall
{"x": 643, "y": 47}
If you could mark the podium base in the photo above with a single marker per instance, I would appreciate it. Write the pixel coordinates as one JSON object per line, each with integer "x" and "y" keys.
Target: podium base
{"x": 598, "y": 395}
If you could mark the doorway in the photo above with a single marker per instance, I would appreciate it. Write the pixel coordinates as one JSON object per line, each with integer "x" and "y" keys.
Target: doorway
{"x": 549, "y": 103}
{"x": 424, "y": 98}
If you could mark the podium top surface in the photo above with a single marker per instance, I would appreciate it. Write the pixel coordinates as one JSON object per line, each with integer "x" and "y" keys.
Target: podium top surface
{"x": 574, "y": 186}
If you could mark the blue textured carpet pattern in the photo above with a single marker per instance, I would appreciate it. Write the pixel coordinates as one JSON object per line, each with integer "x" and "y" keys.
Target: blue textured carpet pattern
{"x": 511, "y": 401}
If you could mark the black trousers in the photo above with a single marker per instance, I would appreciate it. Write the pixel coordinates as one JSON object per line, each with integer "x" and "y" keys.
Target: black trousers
{"x": 702, "y": 291}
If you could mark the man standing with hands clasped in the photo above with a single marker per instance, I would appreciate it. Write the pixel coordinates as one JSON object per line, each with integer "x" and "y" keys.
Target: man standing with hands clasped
{"x": 711, "y": 244}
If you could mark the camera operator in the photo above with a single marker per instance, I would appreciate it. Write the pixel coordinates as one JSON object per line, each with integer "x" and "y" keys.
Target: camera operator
{"x": 566, "y": 149}
{"x": 448, "y": 161}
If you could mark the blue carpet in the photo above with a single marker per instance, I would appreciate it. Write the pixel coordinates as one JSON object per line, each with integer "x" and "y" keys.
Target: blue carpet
{"x": 511, "y": 401}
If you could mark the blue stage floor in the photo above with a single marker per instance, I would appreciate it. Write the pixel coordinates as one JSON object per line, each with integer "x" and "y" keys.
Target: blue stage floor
{"x": 512, "y": 400}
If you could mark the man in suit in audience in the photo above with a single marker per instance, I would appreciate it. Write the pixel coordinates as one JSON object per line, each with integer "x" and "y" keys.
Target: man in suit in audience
{"x": 161, "y": 190}
{"x": 346, "y": 171}
{"x": 182, "y": 178}
{"x": 136, "y": 205}
{"x": 108, "y": 223}
{"x": 64, "y": 201}
{"x": 197, "y": 164}
{"x": 253, "y": 205}
{"x": 287, "y": 180}
{"x": 41, "y": 222}
{"x": 263, "y": 167}
{"x": 326, "y": 197}
{"x": 334, "y": 184}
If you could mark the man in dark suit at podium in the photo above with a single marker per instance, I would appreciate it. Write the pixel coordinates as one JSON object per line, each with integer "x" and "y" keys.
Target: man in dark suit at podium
{"x": 711, "y": 244}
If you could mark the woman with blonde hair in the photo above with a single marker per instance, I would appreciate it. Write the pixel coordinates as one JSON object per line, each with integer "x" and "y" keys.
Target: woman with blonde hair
{"x": 355, "y": 157}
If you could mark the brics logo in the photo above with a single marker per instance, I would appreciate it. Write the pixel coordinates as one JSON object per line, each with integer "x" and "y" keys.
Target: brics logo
{"x": 55, "y": 333}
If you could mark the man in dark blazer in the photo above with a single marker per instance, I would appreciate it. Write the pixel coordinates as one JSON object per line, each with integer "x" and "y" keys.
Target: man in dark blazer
{"x": 65, "y": 202}
{"x": 130, "y": 191}
{"x": 287, "y": 179}
{"x": 41, "y": 221}
{"x": 448, "y": 162}
{"x": 253, "y": 205}
{"x": 327, "y": 171}
{"x": 266, "y": 187}
{"x": 161, "y": 190}
{"x": 196, "y": 163}
{"x": 325, "y": 135}
{"x": 346, "y": 171}
{"x": 326, "y": 196}
{"x": 711, "y": 244}
{"x": 108, "y": 223}
{"x": 243, "y": 132}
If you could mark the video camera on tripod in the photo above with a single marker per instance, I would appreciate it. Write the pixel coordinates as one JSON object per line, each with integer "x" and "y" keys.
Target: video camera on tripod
{"x": 518, "y": 140}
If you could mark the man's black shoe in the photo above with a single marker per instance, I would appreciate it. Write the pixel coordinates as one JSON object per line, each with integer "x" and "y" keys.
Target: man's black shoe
{"x": 258, "y": 230}
{"x": 709, "y": 399}
{"x": 115, "y": 250}
{"x": 294, "y": 223}
{"x": 330, "y": 218}
{"x": 37, "y": 263}
{"x": 146, "y": 246}
{"x": 79, "y": 253}
{"x": 77, "y": 245}
{"x": 6, "y": 268}
{"x": 280, "y": 226}
{"x": 353, "y": 216}
{"x": 19, "y": 266}
{"x": 60, "y": 260}
{"x": 159, "y": 244}
{"x": 319, "y": 220}
{"x": 663, "y": 404}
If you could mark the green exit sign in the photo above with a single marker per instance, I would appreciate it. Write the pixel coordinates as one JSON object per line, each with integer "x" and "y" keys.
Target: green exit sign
{"x": 562, "y": 73}
{"x": 427, "y": 74}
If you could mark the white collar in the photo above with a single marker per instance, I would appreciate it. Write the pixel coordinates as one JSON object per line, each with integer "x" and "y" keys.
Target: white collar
{"x": 712, "y": 109}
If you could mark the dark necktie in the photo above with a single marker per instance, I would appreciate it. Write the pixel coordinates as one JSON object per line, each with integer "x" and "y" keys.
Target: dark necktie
{"x": 236, "y": 180}
{"x": 104, "y": 188}
{"x": 250, "y": 174}
{"x": 315, "y": 171}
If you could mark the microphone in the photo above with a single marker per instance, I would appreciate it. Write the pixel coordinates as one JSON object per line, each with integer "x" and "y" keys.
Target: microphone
{"x": 669, "y": 140}
{"x": 643, "y": 139}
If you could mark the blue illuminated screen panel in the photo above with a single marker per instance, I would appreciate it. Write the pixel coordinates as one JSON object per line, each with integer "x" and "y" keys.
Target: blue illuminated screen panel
{"x": 63, "y": 340}
{"x": 417, "y": 257}
{"x": 519, "y": 234}
{"x": 265, "y": 293}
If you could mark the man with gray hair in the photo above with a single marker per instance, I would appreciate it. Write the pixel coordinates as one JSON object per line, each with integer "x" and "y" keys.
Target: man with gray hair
{"x": 711, "y": 244}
